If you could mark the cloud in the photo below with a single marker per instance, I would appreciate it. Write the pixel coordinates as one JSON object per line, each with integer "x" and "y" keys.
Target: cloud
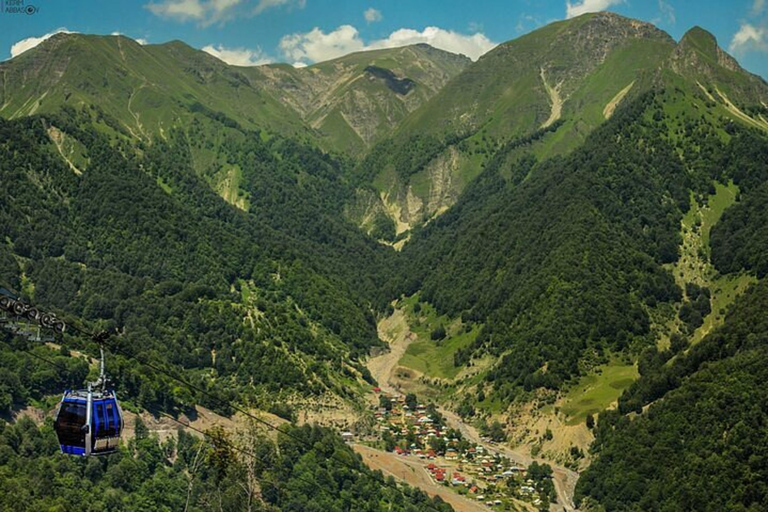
{"x": 584, "y": 6}
{"x": 372, "y": 15}
{"x": 749, "y": 38}
{"x": 179, "y": 10}
{"x": 263, "y": 5}
{"x": 140, "y": 40}
{"x": 30, "y": 42}
{"x": 238, "y": 56}
{"x": 758, "y": 7}
{"x": 208, "y": 12}
{"x": 666, "y": 12}
{"x": 317, "y": 46}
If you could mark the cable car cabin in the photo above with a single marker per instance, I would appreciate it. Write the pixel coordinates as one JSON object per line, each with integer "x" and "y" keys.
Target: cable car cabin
{"x": 88, "y": 422}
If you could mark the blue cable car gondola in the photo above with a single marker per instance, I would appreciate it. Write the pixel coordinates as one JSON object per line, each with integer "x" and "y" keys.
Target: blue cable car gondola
{"x": 89, "y": 421}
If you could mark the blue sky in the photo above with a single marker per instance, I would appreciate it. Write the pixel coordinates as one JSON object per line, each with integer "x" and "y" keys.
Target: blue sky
{"x": 301, "y": 32}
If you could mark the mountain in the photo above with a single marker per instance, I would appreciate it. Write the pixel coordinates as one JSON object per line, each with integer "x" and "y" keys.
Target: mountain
{"x": 565, "y": 70}
{"x": 577, "y": 216}
{"x": 343, "y": 104}
{"x": 540, "y": 94}
{"x": 147, "y": 90}
{"x": 355, "y": 100}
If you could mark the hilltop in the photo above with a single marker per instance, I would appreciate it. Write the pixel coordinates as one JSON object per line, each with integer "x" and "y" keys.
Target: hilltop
{"x": 149, "y": 90}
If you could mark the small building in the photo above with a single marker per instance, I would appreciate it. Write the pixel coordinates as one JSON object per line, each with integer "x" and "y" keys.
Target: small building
{"x": 348, "y": 437}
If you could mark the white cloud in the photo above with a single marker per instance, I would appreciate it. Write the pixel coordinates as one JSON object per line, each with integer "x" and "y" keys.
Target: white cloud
{"x": 749, "y": 37}
{"x": 263, "y": 5}
{"x": 179, "y": 10}
{"x": 208, "y": 12}
{"x": 317, "y": 46}
{"x": 584, "y": 6}
{"x": 757, "y": 7}
{"x": 299, "y": 65}
{"x": 667, "y": 12}
{"x": 238, "y": 56}
{"x": 140, "y": 40}
{"x": 473, "y": 46}
{"x": 30, "y": 42}
{"x": 372, "y": 15}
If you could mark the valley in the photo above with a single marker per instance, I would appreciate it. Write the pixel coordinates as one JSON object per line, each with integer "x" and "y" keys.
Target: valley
{"x": 399, "y": 279}
{"x": 396, "y": 332}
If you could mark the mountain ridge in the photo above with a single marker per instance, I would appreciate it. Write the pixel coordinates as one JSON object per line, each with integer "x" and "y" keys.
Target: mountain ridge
{"x": 171, "y": 77}
{"x": 553, "y": 203}
{"x": 576, "y": 72}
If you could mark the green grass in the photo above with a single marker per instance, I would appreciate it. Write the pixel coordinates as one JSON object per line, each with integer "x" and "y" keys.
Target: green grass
{"x": 596, "y": 392}
{"x": 723, "y": 197}
{"x": 433, "y": 359}
{"x": 165, "y": 186}
{"x": 694, "y": 264}
{"x": 724, "y": 289}
{"x": 228, "y": 187}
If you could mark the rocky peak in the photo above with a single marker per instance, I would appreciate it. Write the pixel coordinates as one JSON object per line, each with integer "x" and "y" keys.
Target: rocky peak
{"x": 698, "y": 52}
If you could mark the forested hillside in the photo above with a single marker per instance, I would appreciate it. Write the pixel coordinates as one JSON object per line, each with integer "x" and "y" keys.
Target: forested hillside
{"x": 269, "y": 300}
{"x": 565, "y": 268}
{"x": 690, "y": 434}
{"x": 701, "y": 444}
{"x": 307, "y": 468}
{"x": 590, "y": 194}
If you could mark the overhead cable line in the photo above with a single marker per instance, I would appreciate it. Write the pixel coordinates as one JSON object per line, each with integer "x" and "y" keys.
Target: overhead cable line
{"x": 207, "y": 435}
{"x": 103, "y": 338}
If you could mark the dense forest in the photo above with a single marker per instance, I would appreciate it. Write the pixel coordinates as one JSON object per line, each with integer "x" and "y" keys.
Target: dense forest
{"x": 568, "y": 264}
{"x": 703, "y": 446}
{"x": 575, "y": 249}
{"x": 306, "y": 469}
{"x": 690, "y": 433}
{"x": 253, "y": 302}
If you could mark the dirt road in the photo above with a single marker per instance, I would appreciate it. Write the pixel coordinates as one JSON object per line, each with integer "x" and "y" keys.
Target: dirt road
{"x": 415, "y": 475}
{"x": 395, "y": 331}
{"x": 563, "y": 478}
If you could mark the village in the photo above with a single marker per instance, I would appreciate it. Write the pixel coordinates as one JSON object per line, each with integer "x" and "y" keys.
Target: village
{"x": 416, "y": 430}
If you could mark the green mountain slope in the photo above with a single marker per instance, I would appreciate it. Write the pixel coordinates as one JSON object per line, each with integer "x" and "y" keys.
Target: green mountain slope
{"x": 148, "y": 90}
{"x": 541, "y": 95}
{"x": 566, "y": 77}
{"x": 266, "y": 301}
{"x": 703, "y": 445}
{"x": 355, "y": 100}
{"x": 568, "y": 259}
{"x": 582, "y": 62}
